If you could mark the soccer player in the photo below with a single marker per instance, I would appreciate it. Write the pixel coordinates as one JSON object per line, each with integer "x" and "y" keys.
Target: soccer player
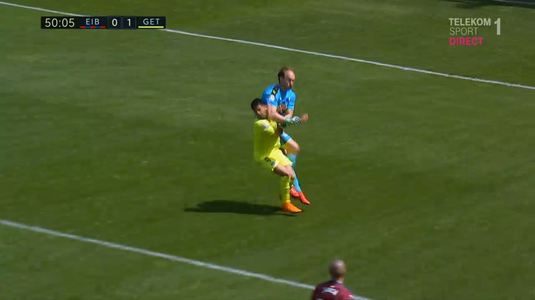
{"x": 333, "y": 289}
{"x": 268, "y": 153}
{"x": 280, "y": 99}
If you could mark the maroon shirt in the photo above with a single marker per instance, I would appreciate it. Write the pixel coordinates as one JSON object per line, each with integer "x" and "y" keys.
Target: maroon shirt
{"x": 331, "y": 290}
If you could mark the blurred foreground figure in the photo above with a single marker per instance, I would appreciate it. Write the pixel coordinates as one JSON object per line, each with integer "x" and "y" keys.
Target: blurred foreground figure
{"x": 333, "y": 289}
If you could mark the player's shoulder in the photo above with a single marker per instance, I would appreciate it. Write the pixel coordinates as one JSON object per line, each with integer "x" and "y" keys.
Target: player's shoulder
{"x": 269, "y": 94}
{"x": 324, "y": 284}
{"x": 345, "y": 292}
{"x": 291, "y": 94}
{"x": 269, "y": 89}
{"x": 332, "y": 284}
{"x": 262, "y": 123}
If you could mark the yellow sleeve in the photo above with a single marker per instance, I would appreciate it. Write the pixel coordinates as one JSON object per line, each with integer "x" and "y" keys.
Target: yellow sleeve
{"x": 266, "y": 126}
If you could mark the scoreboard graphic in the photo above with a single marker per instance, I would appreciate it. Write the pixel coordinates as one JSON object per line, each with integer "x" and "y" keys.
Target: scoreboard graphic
{"x": 113, "y": 22}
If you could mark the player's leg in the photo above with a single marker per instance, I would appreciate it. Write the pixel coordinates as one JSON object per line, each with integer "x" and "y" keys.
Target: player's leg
{"x": 287, "y": 174}
{"x": 292, "y": 149}
{"x": 284, "y": 171}
{"x": 283, "y": 168}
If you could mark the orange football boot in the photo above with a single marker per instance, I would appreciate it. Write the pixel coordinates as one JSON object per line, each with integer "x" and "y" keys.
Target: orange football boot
{"x": 290, "y": 208}
{"x": 303, "y": 199}
{"x": 294, "y": 193}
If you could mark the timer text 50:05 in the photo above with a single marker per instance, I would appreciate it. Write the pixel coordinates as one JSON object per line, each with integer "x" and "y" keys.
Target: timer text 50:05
{"x": 65, "y": 22}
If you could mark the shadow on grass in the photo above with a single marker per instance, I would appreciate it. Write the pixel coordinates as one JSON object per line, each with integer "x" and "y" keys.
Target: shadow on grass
{"x": 237, "y": 207}
{"x": 480, "y": 3}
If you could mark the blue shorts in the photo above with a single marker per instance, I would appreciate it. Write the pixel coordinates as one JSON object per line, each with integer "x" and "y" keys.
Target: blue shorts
{"x": 285, "y": 138}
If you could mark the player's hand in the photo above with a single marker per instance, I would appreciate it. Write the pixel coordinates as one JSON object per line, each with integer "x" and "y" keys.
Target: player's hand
{"x": 295, "y": 120}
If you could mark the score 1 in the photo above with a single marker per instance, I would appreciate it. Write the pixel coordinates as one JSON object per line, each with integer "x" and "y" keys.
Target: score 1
{"x": 122, "y": 22}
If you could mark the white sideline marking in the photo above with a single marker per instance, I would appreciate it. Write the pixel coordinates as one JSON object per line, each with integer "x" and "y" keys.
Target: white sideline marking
{"x": 39, "y": 9}
{"x": 170, "y": 257}
{"x": 340, "y": 57}
{"x": 371, "y": 62}
{"x": 516, "y": 2}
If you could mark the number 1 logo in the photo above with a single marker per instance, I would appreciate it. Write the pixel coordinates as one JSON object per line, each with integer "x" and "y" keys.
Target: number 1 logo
{"x": 498, "y": 23}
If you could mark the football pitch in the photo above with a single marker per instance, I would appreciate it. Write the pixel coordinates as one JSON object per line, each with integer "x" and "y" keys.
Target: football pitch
{"x": 130, "y": 151}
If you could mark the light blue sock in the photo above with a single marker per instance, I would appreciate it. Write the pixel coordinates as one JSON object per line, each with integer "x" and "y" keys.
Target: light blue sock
{"x": 293, "y": 159}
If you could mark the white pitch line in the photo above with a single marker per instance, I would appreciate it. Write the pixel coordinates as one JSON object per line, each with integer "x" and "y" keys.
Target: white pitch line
{"x": 340, "y": 57}
{"x": 39, "y": 9}
{"x": 515, "y": 2}
{"x": 346, "y": 58}
{"x": 170, "y": 257}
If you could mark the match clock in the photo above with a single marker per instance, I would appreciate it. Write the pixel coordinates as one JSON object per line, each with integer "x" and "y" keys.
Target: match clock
{"x": 58, "y": 22}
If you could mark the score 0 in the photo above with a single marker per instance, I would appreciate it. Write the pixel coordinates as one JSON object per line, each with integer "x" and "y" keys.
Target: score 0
{"x": 122, "y": 22}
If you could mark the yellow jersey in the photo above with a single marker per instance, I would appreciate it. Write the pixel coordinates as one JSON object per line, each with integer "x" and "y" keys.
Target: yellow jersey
{"x": 266, "y": 138}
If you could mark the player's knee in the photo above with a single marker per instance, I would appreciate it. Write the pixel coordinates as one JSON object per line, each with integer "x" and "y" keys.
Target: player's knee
{"x": 294, "y": 147}
{"x": 289, "y": 178}
{"x": 284, "y": 171}
{"x": 297, "y": 148}
{"x": 290, "y": 172}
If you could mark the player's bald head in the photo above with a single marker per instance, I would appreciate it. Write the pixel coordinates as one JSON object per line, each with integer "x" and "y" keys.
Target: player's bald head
{"x": 337, "y": 268}
{"x": 286, "y": 77}
{"x": 285, "y": 71}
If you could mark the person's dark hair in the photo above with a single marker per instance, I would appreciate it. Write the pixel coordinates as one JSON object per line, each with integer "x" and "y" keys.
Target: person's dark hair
{"x": 255, "y": 103}
{"x": 282, "y": 72}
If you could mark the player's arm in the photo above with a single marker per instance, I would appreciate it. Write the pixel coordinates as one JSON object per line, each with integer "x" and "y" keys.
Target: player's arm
{"x": 295, "y": 120}
{"x": 285, "y": 120}
{"x": 267, "y": 128}
{"x": 274, "y": 115}
{"x": 268, "y": 97}
{"x": 289, "y": 113}
{"x": 314, "y": 294}
{"x": 346, "y": 295}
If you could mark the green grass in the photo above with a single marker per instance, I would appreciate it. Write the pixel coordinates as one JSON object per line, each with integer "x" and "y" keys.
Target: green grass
{"x": 424, "y": 185}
